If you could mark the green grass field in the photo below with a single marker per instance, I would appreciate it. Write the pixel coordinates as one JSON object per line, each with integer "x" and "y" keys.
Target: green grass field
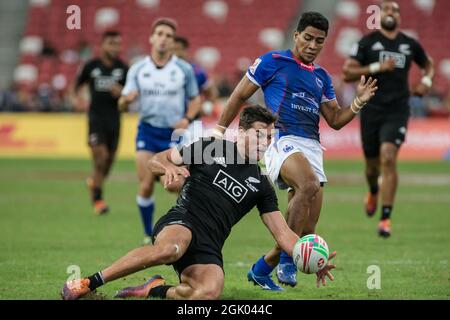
{"x": 47, "y": 225}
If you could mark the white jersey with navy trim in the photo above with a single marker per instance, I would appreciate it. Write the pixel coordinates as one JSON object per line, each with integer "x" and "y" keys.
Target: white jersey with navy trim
{"x": 162, "y": 91}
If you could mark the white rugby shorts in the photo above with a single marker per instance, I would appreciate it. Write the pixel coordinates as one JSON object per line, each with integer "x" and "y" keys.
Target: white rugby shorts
{"x": 279, "y": 150}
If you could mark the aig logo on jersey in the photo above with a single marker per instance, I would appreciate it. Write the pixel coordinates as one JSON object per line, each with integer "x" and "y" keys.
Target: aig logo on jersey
{"x": 399, "y": 58}
{"x": 231, "y": 186}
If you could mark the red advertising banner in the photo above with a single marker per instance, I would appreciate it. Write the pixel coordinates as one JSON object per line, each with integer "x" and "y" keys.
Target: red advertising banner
{"x": 426, "y": 139}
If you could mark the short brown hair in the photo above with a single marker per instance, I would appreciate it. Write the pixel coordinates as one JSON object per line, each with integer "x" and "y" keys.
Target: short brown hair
{"x": 254, "y": 113}
{"x": 165, "y": 22}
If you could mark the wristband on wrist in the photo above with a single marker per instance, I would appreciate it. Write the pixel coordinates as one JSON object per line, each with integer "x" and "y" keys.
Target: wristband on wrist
{"x": 189, "y": 119}
{"x": 357, "y": 105}
{"x": 374, "y": 67}
{"x": 426, "y": 80}
{"x": 353, "y": 110}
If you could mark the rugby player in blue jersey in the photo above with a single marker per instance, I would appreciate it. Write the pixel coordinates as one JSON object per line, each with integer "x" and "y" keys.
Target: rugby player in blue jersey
{"x": 162, "y": 83}
{"x": 298, "y": 91}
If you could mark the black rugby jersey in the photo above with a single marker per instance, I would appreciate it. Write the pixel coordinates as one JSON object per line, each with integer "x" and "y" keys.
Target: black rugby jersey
{"x": 100, "y": 78}
{"x": 393, "y": 88}
{"x": 222, "y": 187}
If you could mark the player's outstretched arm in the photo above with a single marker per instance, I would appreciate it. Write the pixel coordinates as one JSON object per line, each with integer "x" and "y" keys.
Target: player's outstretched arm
{"x": 170, "y": 164}
{"x": 283, "y": 235}
{"x": 244, "y": 90}
{"x": 338, "y": 117}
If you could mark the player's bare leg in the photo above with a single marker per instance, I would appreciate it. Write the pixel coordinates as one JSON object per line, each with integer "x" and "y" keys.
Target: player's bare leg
{"x": 199, "y": 282}
{"x": 388, "y": 159}
{"x": 296, "y": 172}
{"x": 170, "y": 244}
{"x": 372, "y": 174}
{"x": 109, "y": 163}
{"x": 314, "y": 214}
{"x": 144, "y": 198}
{"x": 100, "y": 155}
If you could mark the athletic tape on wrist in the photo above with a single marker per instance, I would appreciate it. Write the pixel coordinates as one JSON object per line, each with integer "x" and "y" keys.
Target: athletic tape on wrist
{"x": 374, "y": 67}
{"x": 426, "y": 80}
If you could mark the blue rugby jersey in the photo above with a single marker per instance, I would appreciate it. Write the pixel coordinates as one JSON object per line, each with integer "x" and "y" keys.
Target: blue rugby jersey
{"x": 292, "y": 90}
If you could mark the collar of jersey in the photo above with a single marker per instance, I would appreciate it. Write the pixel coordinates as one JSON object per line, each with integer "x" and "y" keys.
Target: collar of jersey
{"x": 172, "y": 57}
{"x": 291, "y": 57}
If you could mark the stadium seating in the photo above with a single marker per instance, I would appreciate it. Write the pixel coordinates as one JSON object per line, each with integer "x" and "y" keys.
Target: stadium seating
{"x": 428, "y": 20}
{"x": 221, "y": 33}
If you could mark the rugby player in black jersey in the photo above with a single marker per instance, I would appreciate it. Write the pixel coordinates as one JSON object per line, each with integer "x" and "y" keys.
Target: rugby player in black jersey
{"x": 105, "y": 76}
{"x": 387, "y": 55}
{"x": 224, "y": 182}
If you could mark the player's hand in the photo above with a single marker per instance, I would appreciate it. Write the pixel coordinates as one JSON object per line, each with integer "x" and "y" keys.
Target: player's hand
{"x": 325, "y": 272}
{"x": 172, "y": 173}
{"x": 116, "y": 90}
{"x": 387, "y": 65}
{"x": 130, "y": 97}
{"x": 181, "y": 124}
{"x": 421, "y": 90}
{"x": 366, "y": 89}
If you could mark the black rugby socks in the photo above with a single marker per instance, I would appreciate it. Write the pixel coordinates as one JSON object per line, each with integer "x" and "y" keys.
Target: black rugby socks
{"x": 386, "y": 212}
{"x": 95, "y": 281}
{"x": 159, "y": 292}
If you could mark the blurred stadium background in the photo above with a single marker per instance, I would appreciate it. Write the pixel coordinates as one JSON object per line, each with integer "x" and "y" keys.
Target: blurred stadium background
{"x": 39, "y": 58}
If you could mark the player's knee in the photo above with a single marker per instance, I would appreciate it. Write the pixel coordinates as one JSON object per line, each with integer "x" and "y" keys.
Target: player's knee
{"x": 169, "y": 253}
{"x": 388, "y": 159}
{"x": 308, "y": 190}
{"x": 372, "y": 170}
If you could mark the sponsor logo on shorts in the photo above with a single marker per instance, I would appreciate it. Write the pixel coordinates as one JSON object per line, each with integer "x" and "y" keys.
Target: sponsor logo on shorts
{"x": 231, "y": 186}
{"x": 141, "y": 144}
{"x": 288, "y": 148}
{"x": 93, "y": 138}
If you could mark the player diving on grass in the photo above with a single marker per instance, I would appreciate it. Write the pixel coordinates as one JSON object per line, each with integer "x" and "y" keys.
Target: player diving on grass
{"x": 298, "y": 91}
{"x": 224, "y": 183}
{"x": 162, "y": 83}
